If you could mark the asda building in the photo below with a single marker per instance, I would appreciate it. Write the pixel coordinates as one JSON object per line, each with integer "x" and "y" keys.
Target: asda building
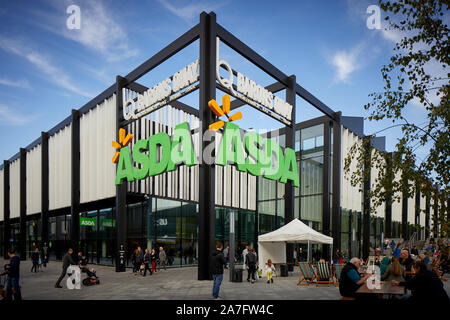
{"x": 137, "y": 166}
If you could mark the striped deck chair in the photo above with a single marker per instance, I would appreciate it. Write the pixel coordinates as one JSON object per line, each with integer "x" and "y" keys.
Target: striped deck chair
{"x": 307, "y": 274}
{"x": 337, "y": 273}
{"x": 324, "y": 277}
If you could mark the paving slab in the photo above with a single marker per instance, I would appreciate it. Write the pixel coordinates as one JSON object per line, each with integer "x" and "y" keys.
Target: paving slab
{"x": 170, "y": 284}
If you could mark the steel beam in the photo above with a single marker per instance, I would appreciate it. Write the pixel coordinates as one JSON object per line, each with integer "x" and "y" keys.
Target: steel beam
{"x": 75, "y": 190}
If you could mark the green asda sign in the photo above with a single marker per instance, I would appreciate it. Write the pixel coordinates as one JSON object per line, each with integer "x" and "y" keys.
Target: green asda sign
{"x": 88, "y": 222}
{"x": 108, "y": 223}
{"x": 265, "y": 157}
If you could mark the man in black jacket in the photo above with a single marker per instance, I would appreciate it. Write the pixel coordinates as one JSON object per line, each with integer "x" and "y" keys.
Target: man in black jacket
{"x": 250, "y": 262}
{"x": 67, "y": 261}
{"x": 425, "y": 285}
{"x": 13, "y": 270}
{"x": 350, "y": 280}
{"x": 217, "y": 263}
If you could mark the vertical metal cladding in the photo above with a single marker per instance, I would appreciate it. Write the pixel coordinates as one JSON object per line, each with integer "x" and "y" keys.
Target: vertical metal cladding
{"x": 34, "y": 180}
{"x": 60, "y": 180}
{"x": 397, "y": 204}
{"x": 411, "y": 209}
{"x": 14, "y": 193}
{"x": 97, "y": 171}
{"x": 351, "y": 197}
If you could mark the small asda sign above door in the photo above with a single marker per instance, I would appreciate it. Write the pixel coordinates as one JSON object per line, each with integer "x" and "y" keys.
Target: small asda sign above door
{"x": 88, "y": 222}
{"x": 249, "y": 152}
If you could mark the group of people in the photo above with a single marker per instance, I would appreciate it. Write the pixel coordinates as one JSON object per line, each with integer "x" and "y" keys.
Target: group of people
{"x": 39, "y": 258}
{"x": 220, "y": 259}
{"x": 141, "y": 261}
{"x": 400, "y": 270}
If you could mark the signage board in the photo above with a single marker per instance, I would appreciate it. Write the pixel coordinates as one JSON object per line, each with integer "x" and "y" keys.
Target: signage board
{"x": 88, "y": 222}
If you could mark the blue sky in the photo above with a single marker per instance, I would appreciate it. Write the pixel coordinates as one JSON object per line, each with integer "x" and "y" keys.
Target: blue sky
{"x": 47, "y": 69}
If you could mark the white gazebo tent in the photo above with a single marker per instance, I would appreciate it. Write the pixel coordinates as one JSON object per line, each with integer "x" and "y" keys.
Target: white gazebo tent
{"x": 272, "y": 245}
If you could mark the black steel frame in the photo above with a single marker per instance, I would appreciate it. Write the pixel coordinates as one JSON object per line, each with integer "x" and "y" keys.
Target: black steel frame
{"x": 206, "y": 31}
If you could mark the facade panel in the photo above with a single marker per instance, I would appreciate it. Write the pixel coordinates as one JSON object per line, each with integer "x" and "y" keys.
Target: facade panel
{"x": 59, "y": 173}
{"x": 34, "y": 180}
{"x": 351, "y": 197}
{"x": 14, "y": 189}
{"x": 97, "y": 171}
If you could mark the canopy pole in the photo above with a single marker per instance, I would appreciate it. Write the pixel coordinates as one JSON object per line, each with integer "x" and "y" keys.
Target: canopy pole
{"x": 331, "y": 253}
{"x": 308, "y": 251}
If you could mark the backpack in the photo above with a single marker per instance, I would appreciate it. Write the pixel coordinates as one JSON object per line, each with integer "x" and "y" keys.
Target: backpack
{"x": 251, "y": 259}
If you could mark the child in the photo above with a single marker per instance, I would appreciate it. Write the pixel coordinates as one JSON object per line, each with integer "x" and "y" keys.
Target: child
{"x": 270, "y": 268}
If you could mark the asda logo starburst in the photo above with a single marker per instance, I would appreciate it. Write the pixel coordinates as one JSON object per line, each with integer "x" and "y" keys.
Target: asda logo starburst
{"x": 123, "y": 142}
{"x": 225, "y": 110}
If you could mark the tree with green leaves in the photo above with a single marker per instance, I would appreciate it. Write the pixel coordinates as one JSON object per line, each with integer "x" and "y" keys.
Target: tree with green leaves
{"x": 418, "y": 71}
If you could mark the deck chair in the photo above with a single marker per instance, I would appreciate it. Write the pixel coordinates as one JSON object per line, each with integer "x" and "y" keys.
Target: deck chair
{"x": 337, "y": 273}
{"x": 324, "y": 277}
{"x": 307, "y": 274}
{"x": 436, "y": 270}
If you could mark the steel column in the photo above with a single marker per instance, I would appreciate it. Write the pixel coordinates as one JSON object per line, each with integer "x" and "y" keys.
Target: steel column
{"x": 336, "y": 178}
{"x": 326, "y": 186}
{"x": 289, "y": 191}
{"x": 75, "y": 190}
{"x": 121, "y": 190}
{"x": 206, "y": 215}
{"x": 23, "y": 204}
{"x": 44, "y": 188}
{"x": 6, "y": 209}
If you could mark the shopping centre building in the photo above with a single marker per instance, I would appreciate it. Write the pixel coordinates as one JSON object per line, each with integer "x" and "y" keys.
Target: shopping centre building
{"x": 63, "y": 189}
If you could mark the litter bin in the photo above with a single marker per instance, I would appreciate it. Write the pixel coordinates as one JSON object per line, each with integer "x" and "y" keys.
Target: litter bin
{"x": 284, "y": 270}
{"x": 290, "y": 267}
{"x": 237, "y": 275}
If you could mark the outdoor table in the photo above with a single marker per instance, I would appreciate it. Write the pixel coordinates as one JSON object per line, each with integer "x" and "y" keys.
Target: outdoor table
{"x": 386, "y": 288}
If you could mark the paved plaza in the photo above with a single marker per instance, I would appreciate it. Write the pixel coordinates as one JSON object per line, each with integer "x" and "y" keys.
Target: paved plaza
{"x": 170, "y": 284}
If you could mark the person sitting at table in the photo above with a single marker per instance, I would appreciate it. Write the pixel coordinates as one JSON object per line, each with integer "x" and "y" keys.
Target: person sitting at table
{"x": 350, "y": 280}
{"x": 406, "y": 261}
{"x": 384, "y": 264}
{"x": 424, "y": 286}
{"x": 394, "y": 271}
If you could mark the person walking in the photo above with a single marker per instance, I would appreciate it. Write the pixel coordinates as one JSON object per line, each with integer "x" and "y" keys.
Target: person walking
{"x": 217, "y": 263}
{"x": 251, "y": 265}
{"x": 153, "y": 258}
{"x": 35, "y": 260}
{"x": 226, "y": 254}
{"x": 45, "y": 254}
{"x": 147, "y": 259}
{"x": 13, "y": 270}
{"x": 67, "y": 261}
{"x": 162, "y": 258}
{"x": 136, "y": 261}
{"x": 244, "y": 255}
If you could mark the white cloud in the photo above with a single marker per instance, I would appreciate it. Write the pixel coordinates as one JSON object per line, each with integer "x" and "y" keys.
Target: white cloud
{"x": 23, "y": 83}
{"x": 10, "y": 116}
{"x": 346, "y": 62}
{"x": 100, "y": 30}
{"x": 190, "y": 11}
{"x": 43, "y": 63}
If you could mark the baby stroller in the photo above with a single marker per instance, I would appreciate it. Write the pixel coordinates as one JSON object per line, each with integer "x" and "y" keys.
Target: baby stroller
{"x": 91, "y": 277}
